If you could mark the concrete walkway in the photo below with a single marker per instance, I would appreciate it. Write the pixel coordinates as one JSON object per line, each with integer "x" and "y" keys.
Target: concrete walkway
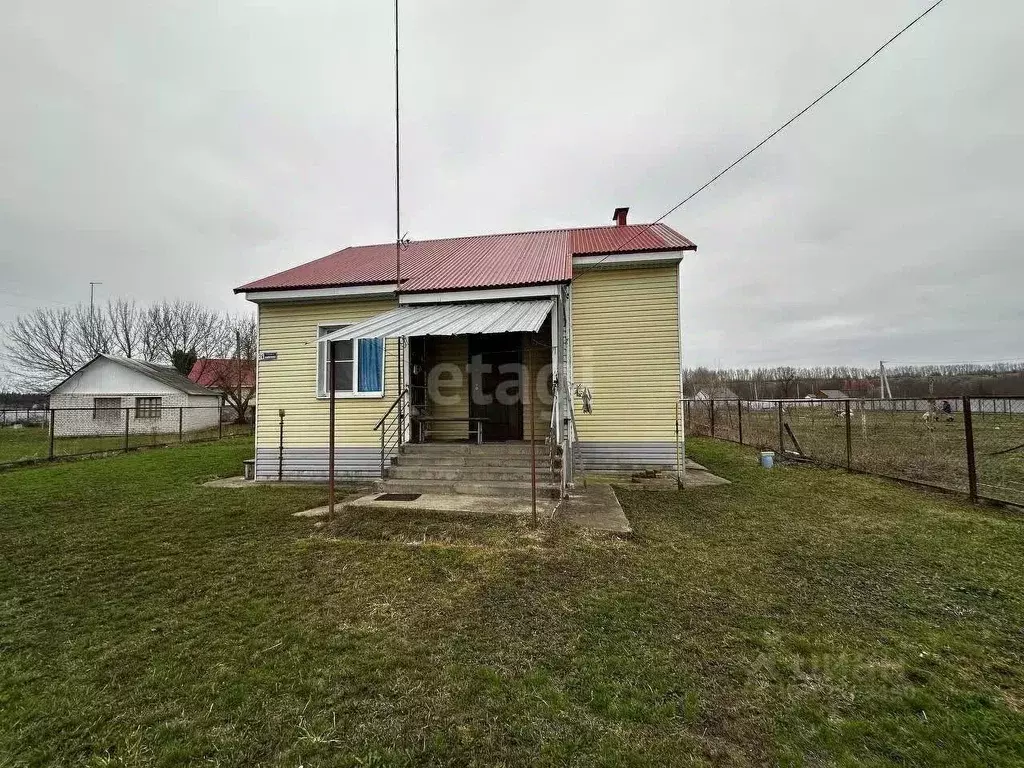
{"x": 595, "y": 507}
{"x": 696, "y": 476}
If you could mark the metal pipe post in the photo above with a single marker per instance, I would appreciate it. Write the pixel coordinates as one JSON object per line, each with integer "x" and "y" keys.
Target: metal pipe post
{"x": 849, "y": 439}
{"x": 280, "y": 445}
{"x": 533, "y": 440}
{"x": 739, "y": 418}
{"x": 972, "y": 469}
{"x": 782, "y": 445}
{"x": 331, "y": 357}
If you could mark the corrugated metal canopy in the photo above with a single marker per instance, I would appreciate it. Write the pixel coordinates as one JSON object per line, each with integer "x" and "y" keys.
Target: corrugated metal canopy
{"x": 450, "y": 320}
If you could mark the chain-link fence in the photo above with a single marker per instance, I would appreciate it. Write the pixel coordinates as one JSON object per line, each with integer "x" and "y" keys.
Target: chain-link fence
{"x": 65, "y": 432}
{"x": 974, "y": 445}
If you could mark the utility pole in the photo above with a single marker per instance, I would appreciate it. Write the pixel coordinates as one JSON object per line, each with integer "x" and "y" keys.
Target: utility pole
{"x": 92, "y": 295}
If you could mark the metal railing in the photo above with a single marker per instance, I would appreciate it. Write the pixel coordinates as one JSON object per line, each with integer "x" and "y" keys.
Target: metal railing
{"x": 80, "y": 432}
{"x": 972, "y": 445}
{"x": 392, "y": 426}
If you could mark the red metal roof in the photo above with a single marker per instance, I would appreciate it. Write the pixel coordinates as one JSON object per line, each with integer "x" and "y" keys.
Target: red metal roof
{"x": 221, "y": 373}
{"x": 480, "y": 261}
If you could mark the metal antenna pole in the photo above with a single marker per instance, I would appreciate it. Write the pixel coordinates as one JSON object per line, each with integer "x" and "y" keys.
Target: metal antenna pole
{"x": 92, "y": 294}
{"x": 398, "y": 206}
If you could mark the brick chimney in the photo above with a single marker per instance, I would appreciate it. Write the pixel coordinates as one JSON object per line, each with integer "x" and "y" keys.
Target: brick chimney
{"x": 619, "y": 217}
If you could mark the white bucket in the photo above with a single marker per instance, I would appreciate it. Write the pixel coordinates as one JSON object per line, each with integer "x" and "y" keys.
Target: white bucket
{"x": 767, "y": 459}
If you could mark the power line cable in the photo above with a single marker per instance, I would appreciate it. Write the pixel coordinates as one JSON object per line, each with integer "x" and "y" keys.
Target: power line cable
{"x": 771, "y": 135}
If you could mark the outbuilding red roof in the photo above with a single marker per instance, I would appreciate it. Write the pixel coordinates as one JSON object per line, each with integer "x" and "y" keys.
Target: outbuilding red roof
{"x": 481, "y": 261}
{"x": 222, "y": 373}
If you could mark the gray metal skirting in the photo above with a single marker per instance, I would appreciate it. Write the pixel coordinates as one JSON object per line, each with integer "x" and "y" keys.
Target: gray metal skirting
{"x": 363, "y": 462}
{"x": 607, "y": 456}
{"x": 310, "y": 464}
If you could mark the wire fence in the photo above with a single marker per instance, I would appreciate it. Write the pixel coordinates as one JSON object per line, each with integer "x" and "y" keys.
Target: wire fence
{"x": 973, "y": 445}
{"x": 60, "y": 433}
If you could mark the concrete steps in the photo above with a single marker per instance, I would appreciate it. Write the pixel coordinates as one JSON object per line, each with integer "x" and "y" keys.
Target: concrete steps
{"x": 504, "y": 488}
{"x": 471, "y": 449}
{"x": 466, "y": 473}
{"x": 428, "y": 460}
{"x": 491, "y": 469}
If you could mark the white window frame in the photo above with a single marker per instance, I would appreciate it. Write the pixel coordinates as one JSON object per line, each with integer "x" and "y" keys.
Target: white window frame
{"x": 322, "y": 363}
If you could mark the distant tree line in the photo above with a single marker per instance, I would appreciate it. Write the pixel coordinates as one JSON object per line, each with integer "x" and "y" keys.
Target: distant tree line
{"x": 45, "y": 346}
{"x": 920, "y": 381}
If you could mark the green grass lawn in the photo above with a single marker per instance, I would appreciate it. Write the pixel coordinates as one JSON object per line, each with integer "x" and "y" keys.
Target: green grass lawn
{"x": 799, "y": 616}
{"x": 897, "y": 443}
{"x": 33, "y": 443}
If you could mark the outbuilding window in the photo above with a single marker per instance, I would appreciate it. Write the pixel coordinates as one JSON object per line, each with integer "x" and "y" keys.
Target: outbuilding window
{"x": 106, "y": 408}
{"x": 358, "y": 367}
{"x": 148, "y": 407}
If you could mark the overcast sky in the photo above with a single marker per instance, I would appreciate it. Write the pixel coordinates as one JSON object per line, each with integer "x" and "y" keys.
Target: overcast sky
{"x": 179, "y": 149}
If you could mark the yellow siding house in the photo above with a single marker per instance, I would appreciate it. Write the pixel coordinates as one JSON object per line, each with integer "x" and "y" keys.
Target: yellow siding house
{"x": 570, "y": 338}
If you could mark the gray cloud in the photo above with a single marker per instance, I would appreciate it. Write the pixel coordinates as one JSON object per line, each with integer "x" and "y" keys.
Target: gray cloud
{"x": 182, "y": 149}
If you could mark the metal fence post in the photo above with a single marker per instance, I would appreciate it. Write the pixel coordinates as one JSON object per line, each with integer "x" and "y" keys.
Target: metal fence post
{"x": 181, "y": 422}
{"x": 972, "y": 470}
{"x": 712, "y": 417}
{"x": 220, "y": 422}
{"x": 126, "y": 429}
{"x": 51, "y": 432}
{"x": 849, "y": 439}
{"x": 280, "y": 446}
{"x": 739, "y": 418}
{"x": 782, "y": 445}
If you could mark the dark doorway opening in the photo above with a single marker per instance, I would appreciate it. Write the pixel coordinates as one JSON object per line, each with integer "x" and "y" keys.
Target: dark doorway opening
{"x": 496, "y": 392}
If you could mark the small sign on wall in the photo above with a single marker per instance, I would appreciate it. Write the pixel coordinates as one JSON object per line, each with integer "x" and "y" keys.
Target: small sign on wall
{"x": 266, "y": 357}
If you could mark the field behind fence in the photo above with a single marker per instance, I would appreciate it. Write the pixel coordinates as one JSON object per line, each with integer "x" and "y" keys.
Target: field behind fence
{"x": 977, "y": 448}
{"x": 68, "y": 432}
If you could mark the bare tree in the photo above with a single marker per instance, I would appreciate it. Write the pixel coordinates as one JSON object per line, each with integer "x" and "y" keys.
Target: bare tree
{"x": 185, "y": 325}
{"x": 242, "y": 388}
{"x": 92, "y": 333}
{"x": 126, "y": 327}
{"x": 42, "y": 348}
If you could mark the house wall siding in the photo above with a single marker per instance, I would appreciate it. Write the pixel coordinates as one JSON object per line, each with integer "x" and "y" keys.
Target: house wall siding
{"x": 537, "y": 365}
{"x": 626, "y": 349}
{"x": 289, "y": 383}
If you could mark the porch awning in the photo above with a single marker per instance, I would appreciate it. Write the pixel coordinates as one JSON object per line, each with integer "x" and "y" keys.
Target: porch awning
{"x": 449, "y": 320}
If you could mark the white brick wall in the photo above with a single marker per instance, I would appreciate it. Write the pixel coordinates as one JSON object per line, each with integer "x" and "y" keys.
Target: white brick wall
{"x": 199, "y": 413}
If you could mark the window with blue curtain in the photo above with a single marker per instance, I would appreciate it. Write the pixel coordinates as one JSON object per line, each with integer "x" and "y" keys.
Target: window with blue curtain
{"x": 371, "y": 365}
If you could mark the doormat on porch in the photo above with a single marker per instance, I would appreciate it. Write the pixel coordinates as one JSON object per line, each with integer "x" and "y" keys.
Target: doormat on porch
{"x": 397, "y": 497}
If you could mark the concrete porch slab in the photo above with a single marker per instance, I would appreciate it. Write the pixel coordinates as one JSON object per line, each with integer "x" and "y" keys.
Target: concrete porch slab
{"x": 595, "y": 507}
{"x": 451, "y": 504}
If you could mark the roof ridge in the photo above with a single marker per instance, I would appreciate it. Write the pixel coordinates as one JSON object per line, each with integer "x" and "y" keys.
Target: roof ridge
{"x": 499, "y": 234}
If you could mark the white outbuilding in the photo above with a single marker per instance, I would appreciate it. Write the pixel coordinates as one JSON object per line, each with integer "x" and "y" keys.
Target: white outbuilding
{"x": 111, "y": 395}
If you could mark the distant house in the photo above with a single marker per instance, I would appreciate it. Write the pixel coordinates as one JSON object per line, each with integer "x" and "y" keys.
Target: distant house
{"x": 109, "y": 395}
{"x": 832, "y": 394}
{"x": 717, "y": 393}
